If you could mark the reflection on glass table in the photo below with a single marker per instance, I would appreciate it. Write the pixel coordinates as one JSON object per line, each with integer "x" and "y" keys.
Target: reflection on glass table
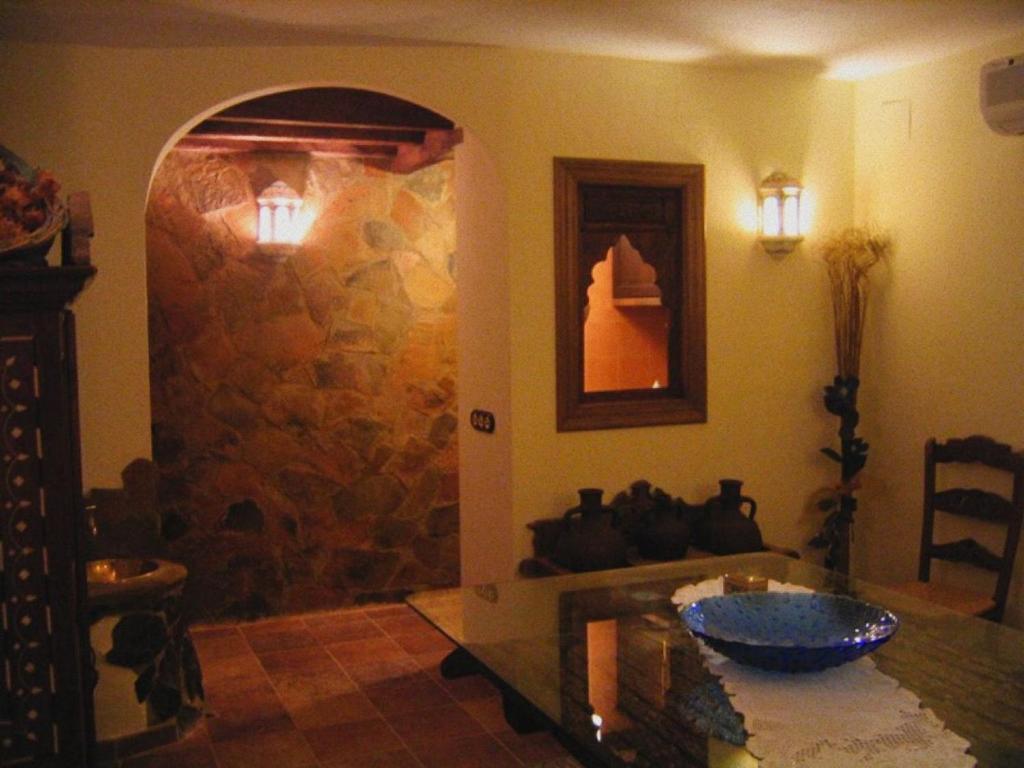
{"x": 604, "y": 660}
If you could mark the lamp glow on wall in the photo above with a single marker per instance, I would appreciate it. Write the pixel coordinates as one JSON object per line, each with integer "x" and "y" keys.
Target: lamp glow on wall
{"x": 279, "y": 220}
{"x": 779, "y": 204}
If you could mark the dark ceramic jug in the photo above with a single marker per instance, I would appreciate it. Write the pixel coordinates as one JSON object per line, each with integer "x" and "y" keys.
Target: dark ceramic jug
{"x": 726, "y": 530}
{"x": 664, "y": 532}
{"x": 590, "y": 540}
{"x": 632, "y": 506}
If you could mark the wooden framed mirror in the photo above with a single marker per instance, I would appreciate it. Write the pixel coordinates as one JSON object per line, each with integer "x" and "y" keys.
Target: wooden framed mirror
{"x": 629, "y": 280}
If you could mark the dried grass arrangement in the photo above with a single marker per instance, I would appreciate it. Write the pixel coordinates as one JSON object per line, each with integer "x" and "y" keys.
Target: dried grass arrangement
{"x": 849, "y": 256}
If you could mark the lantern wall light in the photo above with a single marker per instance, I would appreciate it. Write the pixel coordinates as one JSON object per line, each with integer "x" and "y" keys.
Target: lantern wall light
{"x": 279, "y": 222}
{"x": 779, "y": 209}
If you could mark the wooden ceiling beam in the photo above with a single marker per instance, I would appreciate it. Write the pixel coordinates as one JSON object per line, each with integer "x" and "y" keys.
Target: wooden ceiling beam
{"x": 297, "y": 131}
{"x": 391, "y": 133}
{"x": 235, "y": 143}
{"x": 233, "y": 119}
{"x": 349, "y": 106}
{"x": 398, "y": 156}
{"x": 436, "y": 144}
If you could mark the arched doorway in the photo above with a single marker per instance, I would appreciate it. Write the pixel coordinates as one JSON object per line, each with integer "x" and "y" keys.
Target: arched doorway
{"x": 304, "y": 396}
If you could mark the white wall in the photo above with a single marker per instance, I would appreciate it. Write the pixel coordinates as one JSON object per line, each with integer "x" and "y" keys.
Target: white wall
{"x": 943, "y": 354}
{"x": 99, "y": 118}
{"x": 769, "y": 349}
{"x": 485, "y": 460}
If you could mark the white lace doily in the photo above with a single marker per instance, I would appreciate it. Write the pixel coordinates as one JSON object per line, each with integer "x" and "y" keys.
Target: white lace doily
{"x": 845, "y": 717}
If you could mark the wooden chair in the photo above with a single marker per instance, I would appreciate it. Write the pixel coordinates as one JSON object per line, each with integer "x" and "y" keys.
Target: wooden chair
{"x": 971, "y": 503}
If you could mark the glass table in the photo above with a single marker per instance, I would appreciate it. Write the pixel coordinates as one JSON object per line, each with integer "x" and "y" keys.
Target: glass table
{"x": 603, "y": 659}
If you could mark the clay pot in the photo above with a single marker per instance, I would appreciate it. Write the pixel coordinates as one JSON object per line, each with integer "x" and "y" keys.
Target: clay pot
{"x": 632, "y": 506}
{"x": 725, "y": 529}
{"x": 590, "y": 539}
{"x": 664, "y": 533}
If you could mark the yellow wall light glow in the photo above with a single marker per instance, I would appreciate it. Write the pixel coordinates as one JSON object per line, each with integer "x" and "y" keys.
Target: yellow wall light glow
{"x": 747, "y": 215}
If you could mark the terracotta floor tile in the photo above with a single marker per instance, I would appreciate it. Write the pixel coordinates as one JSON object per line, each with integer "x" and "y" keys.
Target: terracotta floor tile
{"x": 424, "y": 641}
{"x": 388, "y": 609}
{"x": 310, "y": 659}
{"x": 345, "y": 688}
{"x": 376, "y": 672}
{"x": 397, "y": 759}
{"x": 349, "y": 740}
{"x": 431, "y": 660}
{"x": 309, "y": 714}
{"x": 565, "y": 761}
{"x": 256, "y": 711}
{"x": 488, "y": 712}
{"x": 196, "y": 734}
{"x": 345, "y": 629}
{"x": 279, "y": 749}
{"x": 397, "y": 624}
{"x": 240, "y": 728}
{"x": 398, "y": 697}
{"x": 533, "y": 748}
{"x": 295, "y": 689}
{"x": 302, "y": 690}
{"x": 277, "y": 635}
{"x": 339, "y": 614}
{"x": 472, "y": 752}
{"x": 247, "y": 691}
{"x": 469, "y": 688}
{"x": 342, "y": 616}
{"x": 216, "y": 643}
{"x": 192, "y": 755}
{"x": 352, "y": 652}
{"x": 424, "y": 728}
{"x": 232, "y": 674}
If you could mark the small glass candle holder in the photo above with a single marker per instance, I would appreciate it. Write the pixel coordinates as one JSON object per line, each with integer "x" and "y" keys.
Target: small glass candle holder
{"x": 744, "y": 582}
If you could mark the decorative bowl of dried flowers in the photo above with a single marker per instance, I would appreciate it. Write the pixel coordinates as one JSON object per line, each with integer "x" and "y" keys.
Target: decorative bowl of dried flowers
{"x": 31, "y": 211}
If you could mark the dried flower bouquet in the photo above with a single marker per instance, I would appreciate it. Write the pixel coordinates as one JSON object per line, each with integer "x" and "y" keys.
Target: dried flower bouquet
{"x": 31, "y": 212}
{"x": 848, "y": 256}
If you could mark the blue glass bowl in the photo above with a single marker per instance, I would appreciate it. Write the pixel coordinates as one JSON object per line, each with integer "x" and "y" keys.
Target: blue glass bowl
{"x": 789, "y": 631}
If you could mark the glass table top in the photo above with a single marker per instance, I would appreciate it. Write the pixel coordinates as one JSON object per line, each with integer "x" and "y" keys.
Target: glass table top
{"x": 604, "y": 656}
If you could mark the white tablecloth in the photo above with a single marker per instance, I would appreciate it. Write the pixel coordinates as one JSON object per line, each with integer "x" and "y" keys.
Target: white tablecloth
{"x": 848, "y": 716}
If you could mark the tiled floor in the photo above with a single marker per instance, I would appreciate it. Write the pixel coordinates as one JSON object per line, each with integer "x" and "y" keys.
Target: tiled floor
{"x": 344, "y": 689}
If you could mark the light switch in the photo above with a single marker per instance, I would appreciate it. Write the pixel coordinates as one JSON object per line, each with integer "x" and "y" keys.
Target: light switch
{"x": 482, "y": 421}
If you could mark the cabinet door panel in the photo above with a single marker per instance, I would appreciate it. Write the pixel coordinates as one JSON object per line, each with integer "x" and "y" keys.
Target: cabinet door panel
{"x": 28, "y": 684}
{"x": 44, "y": 714}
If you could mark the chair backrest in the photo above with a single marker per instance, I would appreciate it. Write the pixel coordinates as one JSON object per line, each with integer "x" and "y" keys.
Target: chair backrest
{"x": 977, "y": 504}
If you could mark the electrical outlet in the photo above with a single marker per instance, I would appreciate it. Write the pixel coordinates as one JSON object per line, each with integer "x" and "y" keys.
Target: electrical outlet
{"x": 482, "y": 421}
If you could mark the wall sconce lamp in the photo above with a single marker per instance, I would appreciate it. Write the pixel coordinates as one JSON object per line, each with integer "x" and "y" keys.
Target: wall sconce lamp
{"x": 278, "y": 223}
{"x": 779, "y": 198}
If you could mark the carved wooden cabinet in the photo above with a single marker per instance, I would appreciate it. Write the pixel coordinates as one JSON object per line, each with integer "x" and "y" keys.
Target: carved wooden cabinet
{"x": 46, "y": 683}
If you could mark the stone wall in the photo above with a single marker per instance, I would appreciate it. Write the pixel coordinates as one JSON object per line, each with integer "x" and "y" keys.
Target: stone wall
{"x": 304, "y": 404}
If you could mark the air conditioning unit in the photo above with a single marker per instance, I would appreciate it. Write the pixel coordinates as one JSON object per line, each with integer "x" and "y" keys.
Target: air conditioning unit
{"x": 1002, "y": 94}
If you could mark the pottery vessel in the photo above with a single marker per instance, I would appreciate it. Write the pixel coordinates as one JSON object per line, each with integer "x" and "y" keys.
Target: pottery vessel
{"x": 664, "y": 534}
{"x": 726, "y": 530}
{"x": 632, "y": 508}
{"x": 590, "y": 539}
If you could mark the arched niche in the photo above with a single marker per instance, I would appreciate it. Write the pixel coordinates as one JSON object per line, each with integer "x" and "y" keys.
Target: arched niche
{"x": 638, "y": 230}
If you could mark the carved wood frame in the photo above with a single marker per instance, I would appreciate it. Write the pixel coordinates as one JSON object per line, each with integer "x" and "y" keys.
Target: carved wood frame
{"x": 684, "y": 401}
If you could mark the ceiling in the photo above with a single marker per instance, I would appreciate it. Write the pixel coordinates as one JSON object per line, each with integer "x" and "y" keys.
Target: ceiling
{"x": 848, "y": 39}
